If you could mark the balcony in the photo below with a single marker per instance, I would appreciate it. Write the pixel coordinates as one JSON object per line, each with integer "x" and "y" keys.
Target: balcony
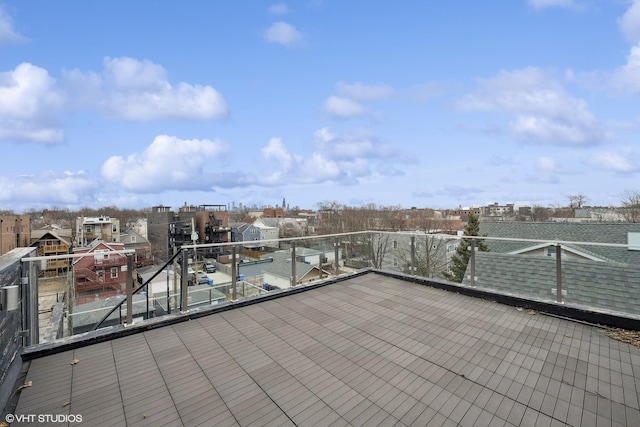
{"x": 52, "y": 250}
{"x": 371, "y": 346}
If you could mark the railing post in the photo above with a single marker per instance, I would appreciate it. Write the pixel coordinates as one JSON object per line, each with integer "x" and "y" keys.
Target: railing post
{"x": 336, "y": 256}
{"x": 293, "y": 264}
{"x": 413, "y": 255}
{"x": 29, "y": 296}
{"x": 129, "y": 289}
{"x": 558, "y": 273}
{"x": 168, "y": 294}
{"x": 234, "y": 274}
{"x": 472, "y": 260}
{"x": 184, "y": 282}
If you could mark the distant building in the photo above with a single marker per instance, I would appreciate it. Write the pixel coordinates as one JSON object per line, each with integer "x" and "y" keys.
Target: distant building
{"x": 273, "y": 212}
{"x": 140, "y": 227}
{"x": 203, "y": 224}
{"x": 496, "y": 210}
{"x": 15, "y": 232}
{"x": 88, "y": 229}
{"x": 463, "y": 212}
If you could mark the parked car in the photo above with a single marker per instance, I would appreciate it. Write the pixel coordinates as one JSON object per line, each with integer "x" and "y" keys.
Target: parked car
{"x": 203, "y": 279}
{"x": 209, "y": 268}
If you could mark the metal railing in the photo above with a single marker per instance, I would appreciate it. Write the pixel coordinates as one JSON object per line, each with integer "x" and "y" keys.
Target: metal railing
{"x": 165, "y": 291}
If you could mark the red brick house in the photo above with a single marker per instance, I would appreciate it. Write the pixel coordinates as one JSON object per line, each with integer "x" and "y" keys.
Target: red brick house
{"x": 100, "y": 274}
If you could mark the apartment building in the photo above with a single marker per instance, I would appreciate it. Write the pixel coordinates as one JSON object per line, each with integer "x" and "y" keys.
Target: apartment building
{"x": 202, "y": 224}
{"x": 88, "y": 229}
{"x": 15, "y": 232}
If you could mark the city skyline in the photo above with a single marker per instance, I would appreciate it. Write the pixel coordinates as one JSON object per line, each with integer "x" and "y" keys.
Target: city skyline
{"x": 421, "y": 104}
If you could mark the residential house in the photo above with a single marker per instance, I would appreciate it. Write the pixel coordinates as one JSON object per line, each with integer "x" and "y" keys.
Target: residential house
{"x": 279, "y": 272}
{"x": 51, "y": 243}
{"x": 140, "y": 227}
{"x": 99, "y": 274}
{"x": 258, "y": 230}
{"x": 88, "y": 229}
{"x": 133, "y": 240}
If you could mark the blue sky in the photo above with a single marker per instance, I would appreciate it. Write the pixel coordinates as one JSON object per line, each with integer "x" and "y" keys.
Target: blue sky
{"x": 415, "y": 103}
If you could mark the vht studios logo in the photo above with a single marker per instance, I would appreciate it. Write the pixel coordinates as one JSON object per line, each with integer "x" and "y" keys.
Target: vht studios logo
{"x": 43, "y": 418}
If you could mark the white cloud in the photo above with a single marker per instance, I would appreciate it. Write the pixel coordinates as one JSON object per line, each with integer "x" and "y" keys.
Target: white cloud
{"x": 344, "y": 108}
{"x": 626, "y": 161}
{"x": 284, "y": 34}
{"x": 345, "y": 159}
{"x": 361, "y": 92}
{"x": 29, "y": 98}
{"x": 547, "y": 170}
{"x": 48, "y": 188}
{"x": 627, "y": 77}
{"x": 8, "y": 34}
{"x": 276, "y": 150}
{"x": 542, "y": 4}
{"x": 140, "y": 90}
{"x": 543, "y": 111}
{"x": 629, "y": 23}
{"x": 169, "y": 163}
{"x": 358, "y": 144}
{"x": 278, "y": 9}
{"x": 548, "y": 164}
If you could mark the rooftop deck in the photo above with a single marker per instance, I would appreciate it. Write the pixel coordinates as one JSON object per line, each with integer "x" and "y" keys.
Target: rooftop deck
{"x": 370, "y": 350}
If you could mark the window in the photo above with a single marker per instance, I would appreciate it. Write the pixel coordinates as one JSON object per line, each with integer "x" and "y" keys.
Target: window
{"x": 114, "y": 272}
{"x": 395, "y": 244}
{"x": 133, "y": 239}
{"x": 551, "y": 251}
{"x": 395, "y": 262}
{"x": 100, "y": 255}
{"x": 114, "y": 228}
{"x": 88, "y": 229}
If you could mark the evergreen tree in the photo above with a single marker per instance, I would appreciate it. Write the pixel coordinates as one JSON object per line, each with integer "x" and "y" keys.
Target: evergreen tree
{"x": 460, "y": 260}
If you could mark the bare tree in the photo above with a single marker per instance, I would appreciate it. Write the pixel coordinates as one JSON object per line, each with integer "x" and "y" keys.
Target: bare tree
{"x": 540, "y": 213}
{"x": 378, "y": 247}
{"x": 577, "y": 201}
{"x": 431, "y": 256}
{"x": 630, "y": 209}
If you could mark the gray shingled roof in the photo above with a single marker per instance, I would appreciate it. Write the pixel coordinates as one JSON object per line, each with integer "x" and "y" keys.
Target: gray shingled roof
{"x": 283, "y": 269}
{"x": 599, "y": 285}
{"x": 565, "y": 231}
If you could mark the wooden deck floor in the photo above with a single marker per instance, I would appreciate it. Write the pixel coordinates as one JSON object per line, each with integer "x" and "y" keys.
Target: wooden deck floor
{"x": 371, "y": 350}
